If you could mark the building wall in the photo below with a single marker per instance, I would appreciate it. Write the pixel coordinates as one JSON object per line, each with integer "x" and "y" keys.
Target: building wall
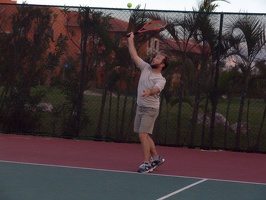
{"x": 8, "y": 1}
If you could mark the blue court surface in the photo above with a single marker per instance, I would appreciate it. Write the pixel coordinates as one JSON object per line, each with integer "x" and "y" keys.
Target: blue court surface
{"x": 26, "y": 181}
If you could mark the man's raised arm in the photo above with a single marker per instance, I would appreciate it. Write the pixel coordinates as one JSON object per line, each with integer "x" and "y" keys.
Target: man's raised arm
{"x": 132, "y": 50}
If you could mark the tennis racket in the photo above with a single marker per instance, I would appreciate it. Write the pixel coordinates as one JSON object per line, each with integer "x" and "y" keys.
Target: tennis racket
{"x": 155, "y": 25}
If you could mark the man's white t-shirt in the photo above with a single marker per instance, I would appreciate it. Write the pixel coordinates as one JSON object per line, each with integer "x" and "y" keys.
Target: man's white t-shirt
{"x": 147, "y": 81}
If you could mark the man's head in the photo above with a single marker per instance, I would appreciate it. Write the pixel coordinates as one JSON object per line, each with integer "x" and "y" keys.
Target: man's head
{"x": 161, "y": 60}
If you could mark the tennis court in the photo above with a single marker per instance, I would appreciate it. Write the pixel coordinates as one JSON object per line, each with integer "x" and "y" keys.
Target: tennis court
{"x": 46, "y": 168}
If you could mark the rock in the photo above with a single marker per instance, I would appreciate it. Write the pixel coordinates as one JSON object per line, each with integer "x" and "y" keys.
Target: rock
{"x": 243, "y": 128}
{"x": 220, "y": 120}
{"x": 46, "y": 107}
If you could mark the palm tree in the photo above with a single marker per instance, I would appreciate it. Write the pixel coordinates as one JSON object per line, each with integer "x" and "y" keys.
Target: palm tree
{"x": 181, "y": 31}
{"x": 245, "y": 37}
{"x": 28, "y": 45}
{"x": 94, "y": 27}
{"x": 205, "y": 33}
{"x": 199, "y": 27}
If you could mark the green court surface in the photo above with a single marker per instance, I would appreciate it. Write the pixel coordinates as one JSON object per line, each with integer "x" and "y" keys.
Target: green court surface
{"x": 25, "y": 181}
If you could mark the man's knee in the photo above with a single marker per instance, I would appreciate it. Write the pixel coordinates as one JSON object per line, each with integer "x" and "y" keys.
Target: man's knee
{"x": 143, "y": 136}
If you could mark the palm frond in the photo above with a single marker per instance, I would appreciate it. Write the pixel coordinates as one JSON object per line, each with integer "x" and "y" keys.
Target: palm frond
{"x": 247, "y": 35}
{"x": 208, "y": 5}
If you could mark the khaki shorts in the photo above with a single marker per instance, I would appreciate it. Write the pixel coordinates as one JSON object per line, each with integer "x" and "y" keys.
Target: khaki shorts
{"x": 145, "y": 119}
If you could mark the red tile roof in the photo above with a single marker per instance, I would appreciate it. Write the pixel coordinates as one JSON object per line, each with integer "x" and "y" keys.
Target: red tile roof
{"x": 191, "y": 46}
{"x": 118, "y": 25}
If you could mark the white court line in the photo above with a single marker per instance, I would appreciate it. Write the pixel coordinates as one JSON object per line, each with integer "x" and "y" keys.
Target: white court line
{"x": 182, "y": 189}
{"x": 120, "y": 171}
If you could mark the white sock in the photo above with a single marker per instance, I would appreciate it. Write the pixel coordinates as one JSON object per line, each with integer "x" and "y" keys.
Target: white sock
{"x": 155, "y": 158}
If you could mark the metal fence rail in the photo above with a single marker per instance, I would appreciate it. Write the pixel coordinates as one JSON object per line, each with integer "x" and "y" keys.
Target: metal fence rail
{"x": 66, "y": 72}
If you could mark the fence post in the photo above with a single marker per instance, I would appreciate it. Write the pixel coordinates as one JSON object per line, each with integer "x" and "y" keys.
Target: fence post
{"x": 84, "y": 36}
{"x": 214, "y": 96}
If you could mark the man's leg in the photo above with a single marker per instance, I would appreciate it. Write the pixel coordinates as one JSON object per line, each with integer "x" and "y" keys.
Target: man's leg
{"x": 145, "y": 144}
{"x": 144, "y": 123}
{"x": 153, "y": 151}
{"x": 156, "y": 160}
{"x": 146, "y": 166}
{"x": 148, "y": 146}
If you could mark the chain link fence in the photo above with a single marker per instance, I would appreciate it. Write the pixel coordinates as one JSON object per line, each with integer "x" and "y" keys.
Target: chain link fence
{"x": 66, "y": 72}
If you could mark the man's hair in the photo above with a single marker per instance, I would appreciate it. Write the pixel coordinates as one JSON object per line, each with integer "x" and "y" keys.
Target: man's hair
{"x": 165, "y": 60}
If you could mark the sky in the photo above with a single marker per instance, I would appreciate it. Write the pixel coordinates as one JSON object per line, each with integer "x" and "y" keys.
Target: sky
{"x": 250, "y": 6}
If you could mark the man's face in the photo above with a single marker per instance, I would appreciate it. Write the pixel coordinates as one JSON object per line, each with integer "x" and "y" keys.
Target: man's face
{"x": 157, "y": 61}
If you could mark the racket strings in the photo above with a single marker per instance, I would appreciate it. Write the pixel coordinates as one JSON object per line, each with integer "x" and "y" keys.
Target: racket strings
{"x": 157, "y": 25}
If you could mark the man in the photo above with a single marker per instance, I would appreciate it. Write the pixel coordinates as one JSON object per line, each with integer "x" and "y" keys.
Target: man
{"x": 150, "y": 85}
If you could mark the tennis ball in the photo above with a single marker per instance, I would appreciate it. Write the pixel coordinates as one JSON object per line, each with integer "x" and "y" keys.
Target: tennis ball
{"x": 129, "y": 5}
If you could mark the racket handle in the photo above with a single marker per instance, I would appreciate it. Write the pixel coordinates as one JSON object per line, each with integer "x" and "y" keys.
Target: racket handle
{"x": 135, "y": 33}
